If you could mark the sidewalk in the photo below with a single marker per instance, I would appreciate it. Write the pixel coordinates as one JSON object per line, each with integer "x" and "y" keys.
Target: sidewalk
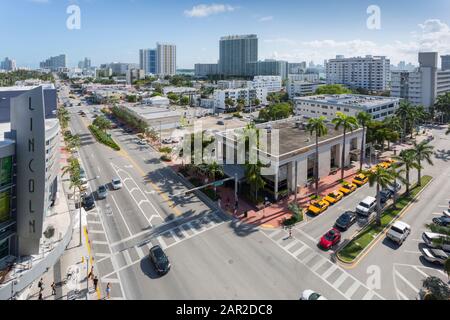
{"x": 77, "y": 259}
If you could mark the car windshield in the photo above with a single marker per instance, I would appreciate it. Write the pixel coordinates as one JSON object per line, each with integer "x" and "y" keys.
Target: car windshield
{"x": 314, "y": 296}
{"x": 345, "y": 217}
{"x": 330, "y": 235}
{"x": 359, "y": 178}
{"x": 102, "y": 188}
{"x": 364, "y": 205}
{"x": 395, "y": 229}
{"x": 159, "y": 254}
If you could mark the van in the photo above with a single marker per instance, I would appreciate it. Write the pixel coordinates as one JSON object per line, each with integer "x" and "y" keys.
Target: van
{"x": 398, "y": 232}
{"x": 367, "y": 206}
{"x": 430, "y": 238}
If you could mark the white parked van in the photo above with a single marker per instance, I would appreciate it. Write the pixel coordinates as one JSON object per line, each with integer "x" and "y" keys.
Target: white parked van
{"x": 399, "y": 232}
{"x": 430, "y": 239}
{"x": 367, "y": 206}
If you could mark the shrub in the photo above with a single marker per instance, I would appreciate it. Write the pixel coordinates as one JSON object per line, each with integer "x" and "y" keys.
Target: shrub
{"x": 211, "y": 194}
{"x": 297, "y": 217}
{"x": 165, "y": 150}
{"x": 103, "y": 138}
{"x": 166, "y": 158}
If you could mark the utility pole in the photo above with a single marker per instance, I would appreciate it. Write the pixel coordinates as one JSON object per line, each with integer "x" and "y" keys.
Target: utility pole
{"x": 236, "y": 200}
{"x": 296, "y": 181}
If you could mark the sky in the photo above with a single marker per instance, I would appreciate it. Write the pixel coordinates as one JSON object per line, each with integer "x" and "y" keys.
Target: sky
{"x": 292, "y": 30}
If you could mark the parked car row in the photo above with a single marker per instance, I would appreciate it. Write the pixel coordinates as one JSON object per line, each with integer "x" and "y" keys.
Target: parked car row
{"x": 437, "y": 248}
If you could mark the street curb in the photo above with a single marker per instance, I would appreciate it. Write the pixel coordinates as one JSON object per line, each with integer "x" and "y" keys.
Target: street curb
{"x": 357, "y": 260}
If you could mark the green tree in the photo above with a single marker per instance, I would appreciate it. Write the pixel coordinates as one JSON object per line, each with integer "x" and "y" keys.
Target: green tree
{"x": 364, "y": 119}
{"x": 174, "y": 98}
{"x": 184, "y": 101}
{"x": 63, "y": 117}
{"x": 276, "y": 111}
{"x": 73, "y": 142}
{"x": 102, "y": 123}
{"x": 333, "y": 89}
{"x": 347, "y": 123}
{"x": 240, "y": 104}
{"x": 405, "y": 113}
{"x": 407, "y": 160}
{"x": 254, "y": 177}
{"x": 382, "y": 178}
{"x": 215, "y": 170}
{"x": 436, "y": 289}
{"x": 423, "y": 152}
{"x": 442, "y": 105}
{"x": 229, "y": 103}
{"x": 317, "y": 127}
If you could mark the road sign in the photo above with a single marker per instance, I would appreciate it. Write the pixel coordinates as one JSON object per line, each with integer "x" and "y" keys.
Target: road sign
{"x": 218, "y": 183}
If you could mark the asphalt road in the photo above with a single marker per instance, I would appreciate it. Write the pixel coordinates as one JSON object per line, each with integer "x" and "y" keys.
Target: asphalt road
{"x": 213, "y": 257}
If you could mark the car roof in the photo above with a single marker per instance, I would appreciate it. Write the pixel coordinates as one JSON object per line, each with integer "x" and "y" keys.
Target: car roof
{"x": 400, "y": 225}
{"x": 369, "y": 199}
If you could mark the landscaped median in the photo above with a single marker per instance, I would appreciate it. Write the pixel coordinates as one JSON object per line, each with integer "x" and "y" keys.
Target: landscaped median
{"x": 353, "y": 249}
{"x": 103, "y": 137}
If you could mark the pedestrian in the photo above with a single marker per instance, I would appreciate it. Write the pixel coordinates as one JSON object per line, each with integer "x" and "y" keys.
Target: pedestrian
{"x": 41, "y": 285}
{"x": 108, "y": 290}
{"x": 40, "y": 296}
{"x": 53, "y": 289}
{"x": 95, "y": 283}
{"x": 290, "y": 233}
{"x": 91, "y": 273}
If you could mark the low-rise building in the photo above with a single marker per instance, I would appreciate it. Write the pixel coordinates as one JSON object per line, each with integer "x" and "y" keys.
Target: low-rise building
{"x": 290, "y": 150}
{"x": 247, "y": 95}
{"x": 349, "y": 104}
{"x": 300, "y": 88}
{"x": 271, "y": 83}
{"x": 156, "y": 101}
{"x": 179, "y": 90}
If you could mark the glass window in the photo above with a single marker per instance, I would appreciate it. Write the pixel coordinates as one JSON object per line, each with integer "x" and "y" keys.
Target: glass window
{"x": 4, "y": 249}
{"x": 6, "y": 171}
{"x": 5, "y": 206}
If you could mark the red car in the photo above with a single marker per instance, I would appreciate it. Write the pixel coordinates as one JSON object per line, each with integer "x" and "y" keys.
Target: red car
{"x": 330, "y": 239}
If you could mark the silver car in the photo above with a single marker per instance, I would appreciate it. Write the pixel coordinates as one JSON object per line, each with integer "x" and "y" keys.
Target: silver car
{"x": 102, "y": 192}
{"x": 435, "y": 255}
{"x": 116, "y": 184}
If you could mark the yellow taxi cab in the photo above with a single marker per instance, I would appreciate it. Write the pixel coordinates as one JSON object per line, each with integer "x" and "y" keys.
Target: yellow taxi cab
{"x": 348, "y": 188}
{"x": 360, "y": 180}
{"x": 317, "y": 207}
{"x": 334, "y": 197}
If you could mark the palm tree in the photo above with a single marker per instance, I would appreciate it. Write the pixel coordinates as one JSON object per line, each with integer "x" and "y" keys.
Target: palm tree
{"x": 347, "y": 123}
{"x": 73, "y": 142}
{"x": 102, "y": 123}
{"x": 382, "y": 178}
{"x": 423, "y": 152}
{"x": 417, "y": 115}
{"x": 72, "y": 167}
{"x": 214, "y": 170}
{"x": 317, "y": 127}
{"x": 63, "y": 117}
{"x": 404, "y": 112}
{"x": 363, "y": 119}
{"x": 254, "y": 177}
{"x": 407, "y": 159}
{"x": 229, "y": 103}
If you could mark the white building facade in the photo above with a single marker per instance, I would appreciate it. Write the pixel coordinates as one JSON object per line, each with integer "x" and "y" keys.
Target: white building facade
{"x": 166, "y": 55}
{"x": 248, "y": 95}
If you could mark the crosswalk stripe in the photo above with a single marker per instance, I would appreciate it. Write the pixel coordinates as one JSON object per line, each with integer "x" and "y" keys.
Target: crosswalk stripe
{"x": 329, "y": 271}
{"x": 140, "y": 252}
{"x": 290, "y": 245}
{"x": 351, "y": 291}
{"x": 274, "y": 233}
{"x": 340, "y": 280}
{"x": 174, "y": 235}
{"x": 318, "y": 264}
{"x": 193, "y": 228}
{"x": 398, "y": 274}
{"x": 369, "y": 295}
{"x": 309, "y": 257}
{"x": 162, "y": 242}
{"x": 127, "y": 256}
{"x": 296, "y": 253}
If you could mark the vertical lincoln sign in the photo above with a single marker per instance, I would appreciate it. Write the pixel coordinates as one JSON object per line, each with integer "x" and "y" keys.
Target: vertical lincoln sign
{"x": 28, "y": 127}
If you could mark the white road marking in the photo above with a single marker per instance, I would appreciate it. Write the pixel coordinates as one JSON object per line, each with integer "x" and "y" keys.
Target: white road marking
{"x": 274, "y": 233}
{"x": 309, "y": 257}
{"x": 96, "y": 231}
{"x": 174, "y": 235}
{"x": 413, "y": 252}
{"x": 369, "y": 295}
{"x": 121, "y": 215}
{"x": 318, "y": 264}
{"x": 297, "y": 253}
{"x": 351, "y": 291}
{"x": 402, "y": 295}
{"x": 398, "y": 274}
{"x": 140, "y": 252}
{"x": 127, "y": 256}
{"x": 421, "y": 272}
{"x": 162, "y": 242}
{"x": 340, "y": 280}
{"x": 100, "y": 242}
{"x": 290, "y": 245}
{"x": 329, "y": 271}
{"x": 307, "y": 235}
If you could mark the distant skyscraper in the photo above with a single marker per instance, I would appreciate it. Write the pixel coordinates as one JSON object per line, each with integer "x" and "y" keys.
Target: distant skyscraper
{"x": 445, "y": 62}
{"x": 85, "y": 64}
{"x": 54, "y": 63}
{"x": 166, "y": 57}
{"x": 148, "y": 61}
{"x": 235, "y": 54}
{"x": 8, "y": 64}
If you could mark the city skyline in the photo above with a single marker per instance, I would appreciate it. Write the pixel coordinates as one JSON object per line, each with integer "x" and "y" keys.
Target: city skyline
{"x": 281, "y": 30}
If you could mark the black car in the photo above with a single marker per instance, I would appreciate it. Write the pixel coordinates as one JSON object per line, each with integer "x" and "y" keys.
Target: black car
{"x": 346, "y": 220}
{"x": 385, "y": 195}
{"x": 442, "y": 221}
{"x": 159, "y": 260}
{"x": 89, "y": 202}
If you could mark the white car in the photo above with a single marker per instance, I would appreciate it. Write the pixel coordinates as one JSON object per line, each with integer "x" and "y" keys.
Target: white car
{"x": 435, "y": 255}
{"x": 447, "y": 213}
{"x": 116, "y": 184}
{"x": 367, "y": 206}
{"x": 399, "y": 232}
{"x": 430, "y": 239}
{"x": 311, "y": 295}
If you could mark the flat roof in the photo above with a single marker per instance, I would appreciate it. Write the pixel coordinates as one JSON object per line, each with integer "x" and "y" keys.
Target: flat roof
{"x": 154, "y": 112}
{"x": 293, "y": 140}
{"x": 350, "y": 100}
{"x": 45, "y": 86}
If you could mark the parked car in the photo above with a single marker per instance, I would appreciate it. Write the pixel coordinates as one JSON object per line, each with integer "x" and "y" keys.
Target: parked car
{"x": 367, "y": 206}
{"x": 436, "y": 240}
{"x": 360, "y": 180}
{"x": 348, "y": 189}
{"x": 442, "y": 221}
{"x": 102, "y": 192}
{"x": 346, "y": 220}
{"x": 220, "y": 123}
{"x": 116, "y": 184}
{"x": 446, "y": 213}
{"x": 159, "y": 260}
{"x": 385, "y": 195}
{"x": 398, "y": 232}
{"x": 317, "y": 207}
{"x": 88, "y": 202}
{"x": 394, "y": 188}
{"x": 330, "y": 239}
{"x": 141, "y": 143}
{"x": 167, "y": 141}
{"x": 436, "y": 256}
{"x": 311, "y": 295}
{"x": 334, "y": 197}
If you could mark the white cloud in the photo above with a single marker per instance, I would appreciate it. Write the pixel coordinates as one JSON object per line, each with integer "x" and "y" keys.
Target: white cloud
{"x": 204, "y": 10}
{"x": 432, "y": 35}
{"x": 265, "y": 19}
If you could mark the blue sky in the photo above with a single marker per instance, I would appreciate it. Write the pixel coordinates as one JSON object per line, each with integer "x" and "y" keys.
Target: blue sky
{"x": 294, "y": 30}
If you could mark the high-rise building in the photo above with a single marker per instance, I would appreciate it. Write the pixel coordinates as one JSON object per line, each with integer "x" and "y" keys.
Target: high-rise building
{"x": 8, "y": 64}
{"x": 297, "y": 68}
{"x": 206, "y": 69}
{"x": 166, "y": 55}
{"x": 268, "y": 67}
{"x": 85, "y": 64}
{"x": 54, "y": 63}
{"x": 370, "y": 72}
{"x": 445, "y": 62}
{"x": 235, "y": 54}
{"x": 148, "y": 61}
{"x": 425, "y": 84}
